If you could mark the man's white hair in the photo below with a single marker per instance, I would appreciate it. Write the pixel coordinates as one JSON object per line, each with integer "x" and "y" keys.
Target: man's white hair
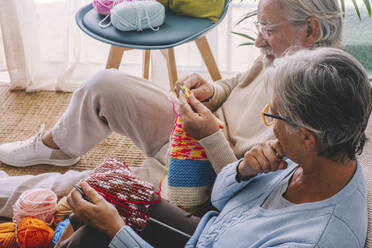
{"x": 326, "y": 11}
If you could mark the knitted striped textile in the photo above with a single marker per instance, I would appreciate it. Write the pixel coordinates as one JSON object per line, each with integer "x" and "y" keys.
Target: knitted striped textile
{"x": 130, "y": 195}
{"x": 190, "y": 174}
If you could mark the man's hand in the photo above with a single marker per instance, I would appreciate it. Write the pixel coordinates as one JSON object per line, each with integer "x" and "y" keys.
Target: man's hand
{"x": 264, "y": 157}
{"x": 97, "y": 213}
{"x": 201, "y": 89}
{"x": 197, "y": 120}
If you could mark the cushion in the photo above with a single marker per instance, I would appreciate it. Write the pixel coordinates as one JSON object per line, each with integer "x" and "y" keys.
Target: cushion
{"x": 211, "y": 9}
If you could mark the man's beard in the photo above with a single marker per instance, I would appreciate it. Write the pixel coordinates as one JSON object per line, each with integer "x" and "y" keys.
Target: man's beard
{"x": 268, "y": 51}
{"x": 268, "y": 54}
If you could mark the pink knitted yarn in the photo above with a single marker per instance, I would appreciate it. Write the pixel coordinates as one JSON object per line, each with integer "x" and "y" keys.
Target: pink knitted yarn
{"x": 104, "y": 6}
{"x": 38, "y": 203}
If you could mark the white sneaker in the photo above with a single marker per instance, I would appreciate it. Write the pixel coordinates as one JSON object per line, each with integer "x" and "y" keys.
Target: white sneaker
{"x": 33, "y": 152}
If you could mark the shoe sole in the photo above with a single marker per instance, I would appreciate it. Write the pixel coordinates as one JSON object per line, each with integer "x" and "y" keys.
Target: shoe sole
{"x": 54, "y": 162}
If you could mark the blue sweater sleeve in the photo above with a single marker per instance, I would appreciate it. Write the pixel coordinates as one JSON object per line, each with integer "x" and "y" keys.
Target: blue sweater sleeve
{"x": 226, "y": 185}
{"x": 127, "y": 238}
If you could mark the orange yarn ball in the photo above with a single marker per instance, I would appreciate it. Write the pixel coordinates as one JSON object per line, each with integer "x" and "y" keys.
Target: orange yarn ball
{"x": 32, "y": 233}
{"x": 7, "y": 235}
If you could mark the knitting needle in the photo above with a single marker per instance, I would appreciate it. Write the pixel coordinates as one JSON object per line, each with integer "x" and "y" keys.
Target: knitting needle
{"x": 181, "y": 89}
{"x": 171, "y": 228}
{"x": 78, "y": 188}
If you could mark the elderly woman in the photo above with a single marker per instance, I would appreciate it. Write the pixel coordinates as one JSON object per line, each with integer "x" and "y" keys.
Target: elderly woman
{"x": 304, "y": 189}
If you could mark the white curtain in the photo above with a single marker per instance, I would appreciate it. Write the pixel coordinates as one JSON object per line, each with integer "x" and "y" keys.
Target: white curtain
{"x": 42, "y": 48}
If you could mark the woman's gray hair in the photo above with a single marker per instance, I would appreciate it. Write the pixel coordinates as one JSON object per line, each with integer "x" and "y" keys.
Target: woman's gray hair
{"x": 328, "y": 92}
{"x": 326, "y": 11}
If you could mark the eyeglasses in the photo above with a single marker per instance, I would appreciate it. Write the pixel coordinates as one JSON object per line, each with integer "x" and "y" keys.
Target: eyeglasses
{"x": 266, "y": 29}
{"x": 268, "y": 117}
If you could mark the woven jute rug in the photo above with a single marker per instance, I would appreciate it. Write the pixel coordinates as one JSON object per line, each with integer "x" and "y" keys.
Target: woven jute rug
{"x": 22, "y": 114}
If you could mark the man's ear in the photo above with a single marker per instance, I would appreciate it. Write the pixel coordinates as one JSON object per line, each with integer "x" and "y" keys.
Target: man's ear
{"x": 312, "y": 28}
{"x": 308, "y": 139}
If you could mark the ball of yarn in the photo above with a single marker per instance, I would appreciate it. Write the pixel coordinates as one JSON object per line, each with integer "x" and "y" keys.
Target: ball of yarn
{"x": 38, "y": 203}
{"x": 104, "y": 6}
{"x": 59, "y": 231}
{"x": 63, "y": 210}
{"x": 32, "y": 233}
{"x": 138, "y": 15}
{"x": 7, "y": 235}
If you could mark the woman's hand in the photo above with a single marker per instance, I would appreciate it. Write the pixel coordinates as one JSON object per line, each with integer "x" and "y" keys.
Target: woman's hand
{"x": 197, "y": 120}
{"x": 201, "y": 89}
{"x": 97, "y": 213}
{"x": 263, "y": 157}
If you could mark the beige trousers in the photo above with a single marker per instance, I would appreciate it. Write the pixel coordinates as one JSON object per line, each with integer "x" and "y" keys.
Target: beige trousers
{"x": 114, "y": 101}
{"x": 111, "y": 101}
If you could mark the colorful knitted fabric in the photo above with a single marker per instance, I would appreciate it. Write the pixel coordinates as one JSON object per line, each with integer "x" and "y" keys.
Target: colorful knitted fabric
{"x": 130, "y": 195}
{"x": 190, "y": 174}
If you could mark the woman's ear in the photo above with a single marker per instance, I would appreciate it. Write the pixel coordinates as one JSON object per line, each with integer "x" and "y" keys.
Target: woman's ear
{"x": 312, "y": 27}
{"x": 308, "y": 139}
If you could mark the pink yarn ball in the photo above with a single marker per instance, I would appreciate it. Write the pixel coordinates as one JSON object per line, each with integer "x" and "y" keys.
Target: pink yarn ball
{"x": 38, "y": 203}
{"x": 104, "y": 6}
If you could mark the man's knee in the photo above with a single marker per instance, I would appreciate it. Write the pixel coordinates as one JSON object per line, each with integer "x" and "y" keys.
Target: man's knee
{"x": 108, "y": 83}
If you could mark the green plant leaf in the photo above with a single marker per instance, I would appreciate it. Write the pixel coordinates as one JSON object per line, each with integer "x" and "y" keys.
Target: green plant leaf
{"x": 368, "y": 6}
{"x": 246, "y": 16}
{"x": 246, "y": 44}
{"x": 343, "y": 8}
{"x": 356, "y": 8}
{"x": 244, "y": 35}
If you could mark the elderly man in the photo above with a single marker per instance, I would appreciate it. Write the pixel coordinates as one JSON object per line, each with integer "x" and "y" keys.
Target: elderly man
{"x": 304, "y": 189}
{"x": 113, "y": 101}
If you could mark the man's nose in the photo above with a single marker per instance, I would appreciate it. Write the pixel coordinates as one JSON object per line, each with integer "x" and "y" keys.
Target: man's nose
{"x": 260, "y": 41}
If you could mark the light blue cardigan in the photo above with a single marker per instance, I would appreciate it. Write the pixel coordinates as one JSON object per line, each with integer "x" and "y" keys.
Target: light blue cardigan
{"x": 339, "y": 221}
